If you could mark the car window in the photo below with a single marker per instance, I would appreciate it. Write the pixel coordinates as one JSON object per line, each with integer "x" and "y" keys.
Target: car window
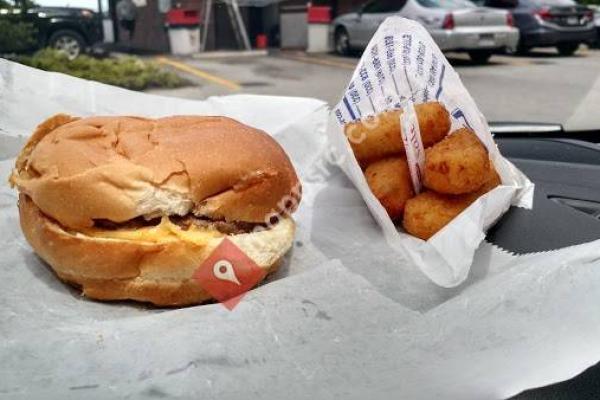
{"x": 72, "y": 3}
{"x": 505, "y": 4}
{"x": 527, "y": 3}
{"x": 554, "y": 3}
{"x": 383, "y": 6}
{"x": 446, "y": 4}
{"x": 549, "y": 3}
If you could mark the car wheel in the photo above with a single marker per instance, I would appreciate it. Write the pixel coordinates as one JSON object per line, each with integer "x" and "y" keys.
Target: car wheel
{"x": 480, "y": 56}
{"x": 342, "y": 42}
{"x": 67, "y": 42}
{"x": 523, "y": 50}
{"x": 567, "y": 49}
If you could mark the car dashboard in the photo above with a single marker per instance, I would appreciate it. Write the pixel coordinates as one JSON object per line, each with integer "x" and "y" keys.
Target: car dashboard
{"x": 565, "y": 168}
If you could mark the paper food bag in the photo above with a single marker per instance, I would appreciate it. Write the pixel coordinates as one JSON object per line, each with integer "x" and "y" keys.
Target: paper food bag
{"x": 403, "y": 66}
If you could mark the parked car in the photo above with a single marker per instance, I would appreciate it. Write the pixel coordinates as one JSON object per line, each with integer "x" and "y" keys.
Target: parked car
{"x": 563, "y": 24}
{"x": 457, "y": 25}
{"x": 596, "y": 9}
{"x": 70, "y": 30}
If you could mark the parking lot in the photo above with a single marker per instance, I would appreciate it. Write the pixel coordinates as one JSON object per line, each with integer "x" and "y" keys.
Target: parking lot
{"x": 539, "y": 87}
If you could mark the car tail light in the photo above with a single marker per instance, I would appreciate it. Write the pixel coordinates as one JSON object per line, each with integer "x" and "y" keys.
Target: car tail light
{"x": 87, "y": 14}
{"x": 544, "y": 14}
{"x": 448, "y": 22}
{"x": 510, "y": 21}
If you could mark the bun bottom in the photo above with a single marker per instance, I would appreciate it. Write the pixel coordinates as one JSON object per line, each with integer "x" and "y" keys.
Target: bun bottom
{"x": 157, "y": 272}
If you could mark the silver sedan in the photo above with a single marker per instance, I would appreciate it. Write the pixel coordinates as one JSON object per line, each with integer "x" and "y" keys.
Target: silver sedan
{"x": 455, "y": 25}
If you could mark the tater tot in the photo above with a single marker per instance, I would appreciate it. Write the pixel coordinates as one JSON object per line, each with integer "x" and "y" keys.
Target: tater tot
{"x": 434, "y": 122}
{"x": 492, "y": 180}
{"x": 428, "y": 212}
{"x": 378, "y": 136}
{"x": 456, "y": 165}
{"x": 390, "y": 182}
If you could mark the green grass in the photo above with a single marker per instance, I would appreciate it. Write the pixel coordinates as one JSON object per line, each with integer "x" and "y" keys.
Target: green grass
{"x": 128, "y": 72}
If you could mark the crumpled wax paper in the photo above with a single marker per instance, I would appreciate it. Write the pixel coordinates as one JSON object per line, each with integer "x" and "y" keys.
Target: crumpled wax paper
{"x": 403, "y": 64}
{"x": 344, "y": 318}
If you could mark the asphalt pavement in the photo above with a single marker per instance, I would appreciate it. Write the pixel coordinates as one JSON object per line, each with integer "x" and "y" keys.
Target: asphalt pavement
{"x": 539, "y": 87}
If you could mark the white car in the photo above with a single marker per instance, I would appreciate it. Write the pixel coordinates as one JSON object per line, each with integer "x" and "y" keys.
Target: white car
{"x": 456, "y": 25}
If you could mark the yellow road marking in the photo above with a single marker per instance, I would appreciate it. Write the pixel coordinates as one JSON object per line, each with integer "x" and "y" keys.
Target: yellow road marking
{"x": 314, "y": 60}
{"x": 199, "y": 73}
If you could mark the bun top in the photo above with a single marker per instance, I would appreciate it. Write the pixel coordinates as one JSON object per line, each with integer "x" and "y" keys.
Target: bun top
{"x": 118, "y": 168}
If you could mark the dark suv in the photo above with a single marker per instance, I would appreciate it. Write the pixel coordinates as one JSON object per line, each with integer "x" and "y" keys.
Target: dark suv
{"x": 70, "y": 30}
{"x": 563, "y": 24}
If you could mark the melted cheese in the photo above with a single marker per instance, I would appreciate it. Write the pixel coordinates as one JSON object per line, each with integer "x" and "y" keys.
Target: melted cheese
{"x": 164, "y": 232}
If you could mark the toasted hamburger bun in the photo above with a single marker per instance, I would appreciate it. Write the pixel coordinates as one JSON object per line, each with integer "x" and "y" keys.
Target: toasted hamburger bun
{"x": 129, "y": 208}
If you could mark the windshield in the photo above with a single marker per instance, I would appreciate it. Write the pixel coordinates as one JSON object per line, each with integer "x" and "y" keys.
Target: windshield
{"x": 548, "y": 3}
{"x": 420, "y": 264}
{"x": 446, "y": 4}
{"x": 554, "y": 3}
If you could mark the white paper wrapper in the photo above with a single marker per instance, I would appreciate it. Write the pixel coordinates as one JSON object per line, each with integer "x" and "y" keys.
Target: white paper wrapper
{"x": 345, "y": 318}
{"x": 402, "y": 62}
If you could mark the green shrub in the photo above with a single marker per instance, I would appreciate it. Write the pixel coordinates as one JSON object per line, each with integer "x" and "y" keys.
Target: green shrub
{"x": 128, "y": 72}
{"x": 16, "y": 36}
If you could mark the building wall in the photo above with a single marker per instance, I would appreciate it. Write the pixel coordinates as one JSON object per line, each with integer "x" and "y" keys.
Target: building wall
{"x": 150, "y": 34}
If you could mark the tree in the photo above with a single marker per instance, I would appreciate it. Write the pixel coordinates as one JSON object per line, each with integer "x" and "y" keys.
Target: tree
{"x": 16, "y": 36}
{"x": 17, "y": 3}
